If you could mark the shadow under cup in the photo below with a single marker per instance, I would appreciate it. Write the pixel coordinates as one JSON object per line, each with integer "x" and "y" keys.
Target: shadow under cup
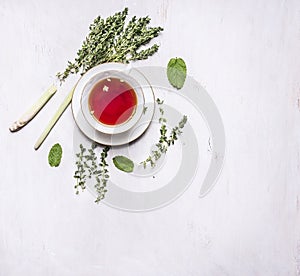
{"x": 112, "y": 102}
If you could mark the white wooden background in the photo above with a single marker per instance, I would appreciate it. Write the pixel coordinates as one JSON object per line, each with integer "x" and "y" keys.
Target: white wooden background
{"x": 247, "y": 55}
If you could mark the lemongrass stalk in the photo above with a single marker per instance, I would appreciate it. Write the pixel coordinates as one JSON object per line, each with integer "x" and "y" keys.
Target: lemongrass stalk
{"x": 54, "y": 119}
{"x": 35, "y": 108}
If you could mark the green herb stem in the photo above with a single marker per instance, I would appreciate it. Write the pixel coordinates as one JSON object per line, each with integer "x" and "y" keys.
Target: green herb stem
{"x": 102, "y": 176}
{"x": 165, "y": 141}
{"x": 54, "y": 119}
{"x": 34, "y": 109}
{"x": 80, "y": 174}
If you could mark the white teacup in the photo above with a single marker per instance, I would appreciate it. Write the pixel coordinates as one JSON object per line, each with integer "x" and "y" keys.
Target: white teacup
{"x": 100, "y": 83}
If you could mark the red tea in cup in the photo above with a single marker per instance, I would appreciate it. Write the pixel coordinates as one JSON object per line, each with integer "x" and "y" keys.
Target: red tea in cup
{"x": 112, "y": 101}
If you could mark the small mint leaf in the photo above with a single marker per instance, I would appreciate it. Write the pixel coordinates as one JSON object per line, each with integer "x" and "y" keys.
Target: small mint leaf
{"x": 176, "y": 72}
{"x": 55, "y": 155}
{"x": 123, "y": 163}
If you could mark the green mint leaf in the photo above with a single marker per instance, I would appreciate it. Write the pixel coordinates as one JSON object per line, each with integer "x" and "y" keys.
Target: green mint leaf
{"x": 123, "y": 163}
{"x": 54, "y": 156}
{"x": 176, "y": 72}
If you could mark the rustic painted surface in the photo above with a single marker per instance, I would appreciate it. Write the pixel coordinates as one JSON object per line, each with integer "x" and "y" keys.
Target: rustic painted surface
{"x": 246, "y": 54}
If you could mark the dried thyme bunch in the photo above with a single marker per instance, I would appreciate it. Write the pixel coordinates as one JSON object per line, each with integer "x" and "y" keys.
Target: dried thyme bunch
{"x": 109, "y": 40}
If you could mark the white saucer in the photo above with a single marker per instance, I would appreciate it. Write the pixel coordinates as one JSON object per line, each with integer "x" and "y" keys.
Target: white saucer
{"x": 121, "y": 138}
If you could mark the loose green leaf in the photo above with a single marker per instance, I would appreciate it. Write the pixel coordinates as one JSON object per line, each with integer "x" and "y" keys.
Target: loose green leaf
{"x": 176, "y": 72}
{"x": 123, "y": 163}
{"x": 55, "y": 155}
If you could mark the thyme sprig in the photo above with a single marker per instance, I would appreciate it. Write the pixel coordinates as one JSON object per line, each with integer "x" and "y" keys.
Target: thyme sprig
{"x": 109, "y": 40}
{"x": 164, "y": 141}
{"x": 88, "y": 167}
{"x": 102, "y": 175}
{"x": 79, "y": 174}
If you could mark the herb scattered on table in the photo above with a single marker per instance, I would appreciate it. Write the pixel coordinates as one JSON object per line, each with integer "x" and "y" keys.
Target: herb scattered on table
{"x": 123, "y": 163}
{"x": 102, "y": 175}
{"x": 164, "y": 141}
{"x": 55, "y": 155}
{"x": 176, "y": 72}
{"x": 88, "y": 167}
{"x": 80, "y": 173}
